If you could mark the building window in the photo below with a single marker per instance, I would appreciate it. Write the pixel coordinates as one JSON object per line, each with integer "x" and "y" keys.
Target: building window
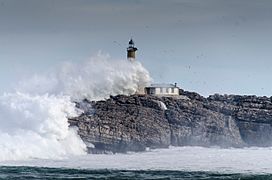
{"x": 167, "y": 90}
{"x": 172, "y": 90}
{"x": 161, "y": 90}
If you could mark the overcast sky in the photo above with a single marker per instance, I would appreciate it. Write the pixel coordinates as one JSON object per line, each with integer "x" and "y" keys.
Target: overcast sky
{"x": 208, "y": 46}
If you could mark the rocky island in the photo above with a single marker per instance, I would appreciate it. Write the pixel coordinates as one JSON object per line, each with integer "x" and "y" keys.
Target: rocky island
{"x": 134, "y": 123}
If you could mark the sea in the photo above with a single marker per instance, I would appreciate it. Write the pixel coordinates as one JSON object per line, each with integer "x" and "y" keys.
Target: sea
{"x": 171, "y": 163}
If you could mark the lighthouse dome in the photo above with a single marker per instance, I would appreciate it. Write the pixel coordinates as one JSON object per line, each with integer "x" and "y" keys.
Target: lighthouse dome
{"x": 131, "y": 42}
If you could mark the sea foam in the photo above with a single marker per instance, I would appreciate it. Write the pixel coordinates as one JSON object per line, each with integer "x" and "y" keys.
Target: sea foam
{"x": 233, "y": 160}
{"x": 34, "y": 118}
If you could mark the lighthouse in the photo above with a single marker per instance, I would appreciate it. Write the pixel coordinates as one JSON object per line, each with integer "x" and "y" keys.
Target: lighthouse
{"x": 131, "y": 51}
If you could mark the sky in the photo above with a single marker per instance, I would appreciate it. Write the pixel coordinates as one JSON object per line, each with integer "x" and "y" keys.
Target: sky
{"x": 206, "y": 46}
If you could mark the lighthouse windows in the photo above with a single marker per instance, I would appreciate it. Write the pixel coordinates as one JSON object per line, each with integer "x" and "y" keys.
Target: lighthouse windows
{"x": 162, "y": 90}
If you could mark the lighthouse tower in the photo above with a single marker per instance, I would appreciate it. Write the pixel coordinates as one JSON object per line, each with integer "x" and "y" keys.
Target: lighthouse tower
{"x": 131, "y": 51}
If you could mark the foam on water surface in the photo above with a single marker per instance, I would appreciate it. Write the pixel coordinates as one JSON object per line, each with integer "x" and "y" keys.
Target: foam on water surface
{"x": 246, "y": 160}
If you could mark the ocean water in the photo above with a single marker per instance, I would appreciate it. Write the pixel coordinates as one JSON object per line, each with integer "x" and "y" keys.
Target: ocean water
{"x": 63, "y": 173}
{"x": 172, "y": 163}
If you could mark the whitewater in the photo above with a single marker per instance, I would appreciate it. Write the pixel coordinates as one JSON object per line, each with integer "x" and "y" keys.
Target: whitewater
{"x": 35, "y": 131}
{"x": 189, "y": 159}
{"x": 34, "y": 117}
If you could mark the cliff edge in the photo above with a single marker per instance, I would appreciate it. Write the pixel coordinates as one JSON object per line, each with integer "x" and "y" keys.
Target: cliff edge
{"x": 134, "y": 123}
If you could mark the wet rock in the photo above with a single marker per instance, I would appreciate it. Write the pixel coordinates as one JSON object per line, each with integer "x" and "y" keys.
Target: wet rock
{"x": 136, "y": 122}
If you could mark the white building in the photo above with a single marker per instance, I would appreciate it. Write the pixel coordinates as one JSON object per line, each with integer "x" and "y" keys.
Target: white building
{"x": 162, "y": 90}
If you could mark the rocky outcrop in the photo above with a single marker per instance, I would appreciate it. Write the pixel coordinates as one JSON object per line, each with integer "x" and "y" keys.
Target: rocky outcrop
{"x": 133, "y": 123}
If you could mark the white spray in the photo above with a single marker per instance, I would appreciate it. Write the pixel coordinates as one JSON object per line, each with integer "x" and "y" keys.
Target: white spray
{"x": 95, "y": 79}
{"x": 34, "y": 119}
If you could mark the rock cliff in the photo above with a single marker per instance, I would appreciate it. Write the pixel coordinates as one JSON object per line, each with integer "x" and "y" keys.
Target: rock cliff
{"x": 134, "y": 123}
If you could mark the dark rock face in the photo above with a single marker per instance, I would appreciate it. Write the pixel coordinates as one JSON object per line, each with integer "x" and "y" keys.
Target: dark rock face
{"x": 253, "y": 116}
{"x": 133, "y": 123}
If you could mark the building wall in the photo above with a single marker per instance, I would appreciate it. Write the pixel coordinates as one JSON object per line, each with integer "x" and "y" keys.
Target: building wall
{"x": 167, "y": 91}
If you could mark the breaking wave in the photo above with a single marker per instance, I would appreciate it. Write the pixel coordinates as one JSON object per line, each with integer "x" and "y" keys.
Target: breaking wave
{"x": 95, "y": 79}
{"x": 34, "y": 118}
